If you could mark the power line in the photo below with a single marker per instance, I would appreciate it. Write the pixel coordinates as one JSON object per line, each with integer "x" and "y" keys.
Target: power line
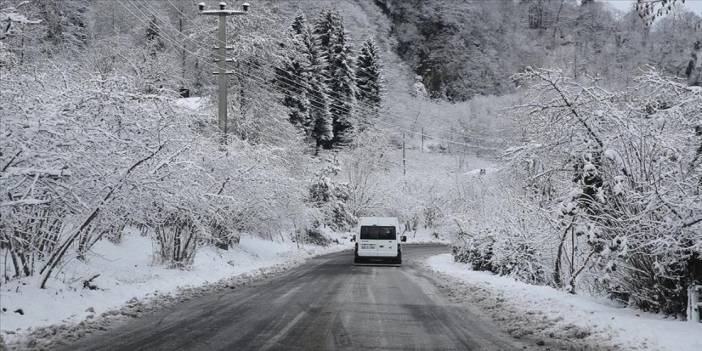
{"x": 284, "y": 91}
{"x": 369, "y": 108}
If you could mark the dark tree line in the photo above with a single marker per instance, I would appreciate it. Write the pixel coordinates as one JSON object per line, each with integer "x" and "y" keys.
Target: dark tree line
{"x": 466, "y": 48}
{"x": 330, "y": 94}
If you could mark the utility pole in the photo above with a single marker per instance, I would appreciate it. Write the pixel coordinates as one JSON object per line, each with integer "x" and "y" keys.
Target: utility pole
{"x": 404, "y": 161}
{"x": 221, "y": 59}
{"x": 422, "y": 139}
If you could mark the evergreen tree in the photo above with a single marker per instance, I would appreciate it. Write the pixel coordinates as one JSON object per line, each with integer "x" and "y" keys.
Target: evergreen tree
{"x": 368, "y": 78}
{"x": 299, "y": 24}
{"x": 342, "y": 86}
{"x": 325, "y": 27}
{"x": 290, "y": 78}
{"x": 153, "y": 35}
{"x": 302, "y": 77}
{"x": 317, "y": 91}
{"x": 65, "y": 22}
{"x": 322, "y": 127}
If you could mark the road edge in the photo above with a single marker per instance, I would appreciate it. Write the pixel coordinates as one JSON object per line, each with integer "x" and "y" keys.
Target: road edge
{"x": 524, "y": 324}
{"x": 61, "y": 335}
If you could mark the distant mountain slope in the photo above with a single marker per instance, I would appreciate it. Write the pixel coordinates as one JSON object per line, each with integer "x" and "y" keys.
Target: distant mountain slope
{"x": 468, "y": 48}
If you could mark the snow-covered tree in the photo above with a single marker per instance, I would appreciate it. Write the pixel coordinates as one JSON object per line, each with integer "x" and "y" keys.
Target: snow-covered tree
{"x": 342, "y": 88}
{"x": 368, "y": 78}
{"x": 318, "y": 92}
{"x": 331, "y": 196}
{"x": 635, "y": 226}
{"x": 290, "y": 77}
{"x": 325, "y": 27}
{"x": 339, "y": 76}
{"x": 302, "y": 80}
{"x": 299, "y": 24}
{"x": 694, "y": 67}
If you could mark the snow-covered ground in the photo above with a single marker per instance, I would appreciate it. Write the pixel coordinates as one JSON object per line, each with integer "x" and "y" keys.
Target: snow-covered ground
{"x": 555, "y": 317}
{"x": 127, "y": 273}
{"x": 425, "y": 236}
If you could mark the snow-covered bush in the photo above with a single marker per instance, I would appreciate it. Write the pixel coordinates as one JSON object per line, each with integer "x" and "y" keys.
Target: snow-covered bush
{"x": 477, "y": 250}
{"x": 499, "y": 230}
{"x": 366, "y": 170}
{"x": 176, "y": 239}
{"x": 331, "y": 197}
{"x": 88, "y": 151}
{"x": 603, "y": 194}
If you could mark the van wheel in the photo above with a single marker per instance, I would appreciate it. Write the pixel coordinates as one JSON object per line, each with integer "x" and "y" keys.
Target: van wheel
{"x": 398, "y": 259}
{"x": 356, "y": 259}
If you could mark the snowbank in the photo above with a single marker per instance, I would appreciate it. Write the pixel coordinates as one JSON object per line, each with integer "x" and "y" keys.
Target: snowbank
{"x": 426, "y": 236}
{"x": 127, "y": 272}
{"x": 194, "y": 103}
{"x": 549, "y": 313}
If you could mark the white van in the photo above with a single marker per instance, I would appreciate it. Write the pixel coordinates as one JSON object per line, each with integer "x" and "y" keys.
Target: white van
{"x": 378, "y": 240}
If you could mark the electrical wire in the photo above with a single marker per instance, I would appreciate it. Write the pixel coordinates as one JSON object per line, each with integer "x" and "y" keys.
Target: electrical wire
{"x": 368, "y": 107}
{"x": 241, "y": 75}
{"x": 154, "y": 12}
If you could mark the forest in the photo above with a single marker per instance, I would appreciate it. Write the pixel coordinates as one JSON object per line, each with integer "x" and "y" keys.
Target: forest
{"x": 464, "y": 49}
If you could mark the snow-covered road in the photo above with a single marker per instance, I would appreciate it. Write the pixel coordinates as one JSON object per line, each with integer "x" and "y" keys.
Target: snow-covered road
{"x": 326, "y": 304}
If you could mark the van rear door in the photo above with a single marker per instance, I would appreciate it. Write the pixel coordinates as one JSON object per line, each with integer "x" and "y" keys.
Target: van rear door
{"x": 378, "y": 240}
{"x": 368, "y": 245}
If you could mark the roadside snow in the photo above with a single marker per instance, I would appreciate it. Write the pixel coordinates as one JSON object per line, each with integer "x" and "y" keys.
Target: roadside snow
{"x": 191, "y": 103}
{"x": 556, "y": 317}
{"x": 426, "y": 236}
{"x": 127, "y": 274}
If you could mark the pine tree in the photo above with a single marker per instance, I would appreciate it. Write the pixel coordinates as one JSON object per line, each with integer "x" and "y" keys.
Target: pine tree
{"x": 325, "y": 28}
{"x": 302, "y": 77}
{"x": 299, "y": 24}
{"x": 342, "y": 86}
{"x": 368, "y": 78}
{"x": 153, "y": 35}
{"x": 290, "y": 78}
{"x": 317, "y": 91}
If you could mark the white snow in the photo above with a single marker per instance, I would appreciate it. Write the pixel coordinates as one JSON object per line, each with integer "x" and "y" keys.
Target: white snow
{"x": 191, "y": 103}
{"x": 426, "y": 236}
{"x": 627, "y": 327}
{"x": 16, "y": 17}
{"x": 127, "y": 271}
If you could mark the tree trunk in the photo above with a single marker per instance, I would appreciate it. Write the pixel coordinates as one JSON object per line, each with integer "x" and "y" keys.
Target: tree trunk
{"x": 557, "y": 269}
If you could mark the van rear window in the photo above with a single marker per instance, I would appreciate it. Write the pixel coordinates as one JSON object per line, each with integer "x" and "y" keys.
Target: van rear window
{"x": 378, "y": 233}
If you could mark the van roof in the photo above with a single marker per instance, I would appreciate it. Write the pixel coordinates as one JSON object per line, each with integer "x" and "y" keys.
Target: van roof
{"x": 382, "y": 221}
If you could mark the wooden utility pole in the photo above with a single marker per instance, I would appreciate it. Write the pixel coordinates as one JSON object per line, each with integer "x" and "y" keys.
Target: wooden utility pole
{"x": 221, "y": 59}
{"x": 422, "y": 139}
{"x": 404, "y": 160}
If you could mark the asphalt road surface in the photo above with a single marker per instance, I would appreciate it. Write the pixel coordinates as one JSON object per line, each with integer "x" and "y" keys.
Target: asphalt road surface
{"x": 325, "y": 304}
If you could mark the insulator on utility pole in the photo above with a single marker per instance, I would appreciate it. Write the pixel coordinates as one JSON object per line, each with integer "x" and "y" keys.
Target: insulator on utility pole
{"x": 221, "y": 57}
